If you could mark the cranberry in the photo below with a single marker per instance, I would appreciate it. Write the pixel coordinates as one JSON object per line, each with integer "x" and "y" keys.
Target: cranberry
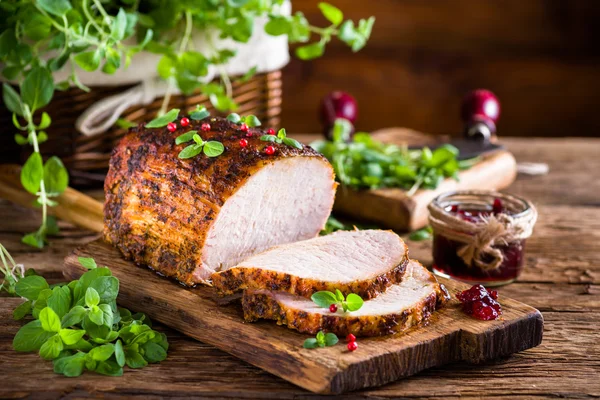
{"x": 454, "y": 208}
{"x": 270, "y": 150}
{"x": 497, "y": 207}
{"x": 350, "y": 338}
{"x": 479, "y": 303}
{"x": 244, "y": 127}
{"x": 243, "y": 143}
{"x": 249, "y": 134}
{"x": 184, "y": 121}
{"x": 352, "y": 346}
{"x": 205, "y": 127}
{"x": 171, "y": 127}
{"x": 271, "y": 131}
{"x": 333, "y": 308}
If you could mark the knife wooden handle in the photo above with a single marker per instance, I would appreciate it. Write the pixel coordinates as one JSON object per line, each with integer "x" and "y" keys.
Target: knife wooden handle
{"x": 73, "y": 206}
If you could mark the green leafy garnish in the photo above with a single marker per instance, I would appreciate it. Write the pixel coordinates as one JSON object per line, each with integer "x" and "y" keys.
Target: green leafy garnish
{"x": 211, "y": 148}
{"x": 164, "y": 120}
{"x": 250, "y": 120}
{"x": 199, "y": 113}
{"x": 364, "y": 163}
{"x": 80, "y": 327}
{"x": 333, "y": 225}
{"x": 281, "y": 138}
{"x": 321, "y": 340}
{"x": 421, "y": 234}
{"x": 324, "y": 299}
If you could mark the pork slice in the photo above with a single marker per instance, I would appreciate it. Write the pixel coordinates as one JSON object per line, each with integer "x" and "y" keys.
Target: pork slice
{"x": 402, "y": 306}
{"x": 187, "y": 218}
{"x": 362, "y": 262}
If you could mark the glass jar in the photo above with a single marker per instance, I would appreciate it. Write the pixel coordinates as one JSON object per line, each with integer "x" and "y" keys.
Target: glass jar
{"x": 479, "y": 236}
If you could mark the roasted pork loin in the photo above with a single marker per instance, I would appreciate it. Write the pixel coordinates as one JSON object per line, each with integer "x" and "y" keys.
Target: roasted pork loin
{"x": 402, "y": 306}
{"x": 362, "y": 262}
{"x": 187, "y": 218}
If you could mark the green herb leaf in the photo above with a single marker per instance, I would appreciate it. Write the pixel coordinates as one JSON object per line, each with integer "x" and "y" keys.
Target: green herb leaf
{"x": 30, "y": 287}
{"x": 12, "y": 100}
{"x": 119, "y": 25}
{"x": 190, "y": 151}
{"x": 45, "y": 122}
{"x": 51, "y": 348}
{"x": 310, "y": 343}
{"x": 32, "y": 173}
{"x": 269, "y": 138}
{"x": 134, "y": 359}
{"x": 50, "y": 320}
{"x": 55, "y": 7}
{"x": 56, "y": 177}
{"x": 60, "y": 300}
{"x": 22, "y": 310}
{"x": 71, "y": 336}
{"x": 31, "y": 336}
{"x": 310, "y": 51}
{"x": 109, "y": 368}
{"x": 87, "y": 262}
{"x": 213, "y": 148}
{"x": 96, "y": 315}
{"x": 354, "y": 302}
{"x": 321, "y": 339}
{"x": 92, "y": 298}
{"x": 233, "y": 117}
{"x": 200, "y": 114}
{"x": 119, "y": 353}
{"x": 88, "y": 60}
{"x": 333, "y": 14}
{"x": 107, "y": 288}
{"x": 196, "y": 138}
{"x": 419, "y": 235}
{"x": 324, "y": 298}
{"x": 73, "y": 317}
{"x": 102, "y": 353}
{"x": 164, "y": 120}
{"x": 70, "y": 366}
{"x": 331, "y": 339}
{"x": 292, "y": 142}
{"x": 251, "y": 121}
{"x": 186, "y": 137}
{"x": 339, "y": 295}
{"x": 153, "y": 352}
{"x": 37, "y": 88}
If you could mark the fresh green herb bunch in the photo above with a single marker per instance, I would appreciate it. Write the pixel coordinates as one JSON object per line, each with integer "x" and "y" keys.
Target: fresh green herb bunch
{"x": 321, "y": 340}
{"x": 39, "y": 37}
{"x": 364, "y": 163}
{"x": 79, "y": 326}
{"x": 325, "y": 299}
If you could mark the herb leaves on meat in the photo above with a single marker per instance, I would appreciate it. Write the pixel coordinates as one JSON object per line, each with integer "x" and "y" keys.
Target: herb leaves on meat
{"x": 250, "y": 120}
{"x": 364, "y": 163}
{"x": 164, "y": 120}
{"x": 325, "y": 299}
{"x": 211, "y": 148}
{"x": 281, "y": 137}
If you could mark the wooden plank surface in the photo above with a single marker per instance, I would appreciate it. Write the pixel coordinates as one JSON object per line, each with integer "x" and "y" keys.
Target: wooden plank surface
{"x": 450, "y": 336}
{"x": 558, "y": 280}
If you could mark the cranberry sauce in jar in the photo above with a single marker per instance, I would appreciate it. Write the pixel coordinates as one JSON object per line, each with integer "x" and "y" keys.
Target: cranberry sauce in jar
{"x": 479, "y": 236}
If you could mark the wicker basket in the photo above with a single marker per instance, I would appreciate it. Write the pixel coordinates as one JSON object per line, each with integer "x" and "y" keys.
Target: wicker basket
{"x": 86, "y": 157}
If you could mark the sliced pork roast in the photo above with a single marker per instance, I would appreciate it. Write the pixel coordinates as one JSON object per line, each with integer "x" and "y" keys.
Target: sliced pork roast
{"x": 362, "y": 262}
{"x": 402, "y": 306}
{"x": 187, "y": 218}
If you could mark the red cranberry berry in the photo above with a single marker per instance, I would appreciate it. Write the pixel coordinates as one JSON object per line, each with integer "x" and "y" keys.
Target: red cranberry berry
{"x": 244, "y": 127}
{"x": 479, "y": 303}
{"x": 270, "y": 150}
{"x": 454, "y": 208}
{"x": 271, "y": 131}
{"x": 333, "y": 308}
{"x": 243, "y": 143}
{"x": 171, "y": 127}
{"x": 352, "y": 346}
{"x": 350, "y": 338}
{"x": 205, "y": 127}
{"x": 497, "y": 206}
{"x": 184, "y": 121}
{"x": 249, "y": 134}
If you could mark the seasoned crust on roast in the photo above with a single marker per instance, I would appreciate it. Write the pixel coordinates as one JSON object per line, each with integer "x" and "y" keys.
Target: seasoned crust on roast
{"x": 261, "y": 304}
{"x": 236, "y": 279}
{"x": 159, "y": 208}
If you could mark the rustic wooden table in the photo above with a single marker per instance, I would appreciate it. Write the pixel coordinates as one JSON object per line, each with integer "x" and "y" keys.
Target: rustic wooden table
{"x": 561, "y": 279}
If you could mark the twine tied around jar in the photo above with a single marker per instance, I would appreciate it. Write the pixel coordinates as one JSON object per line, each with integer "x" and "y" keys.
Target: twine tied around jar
{"x": 480, "y": 238}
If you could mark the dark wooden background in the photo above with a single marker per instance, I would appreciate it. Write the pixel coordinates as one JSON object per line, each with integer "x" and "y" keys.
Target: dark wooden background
{"x": 541, "y": 57}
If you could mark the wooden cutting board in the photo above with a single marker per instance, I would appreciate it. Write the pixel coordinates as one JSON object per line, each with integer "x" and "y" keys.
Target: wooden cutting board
{"x": 392, "y": 208}
{"x": 450, "y": 336}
